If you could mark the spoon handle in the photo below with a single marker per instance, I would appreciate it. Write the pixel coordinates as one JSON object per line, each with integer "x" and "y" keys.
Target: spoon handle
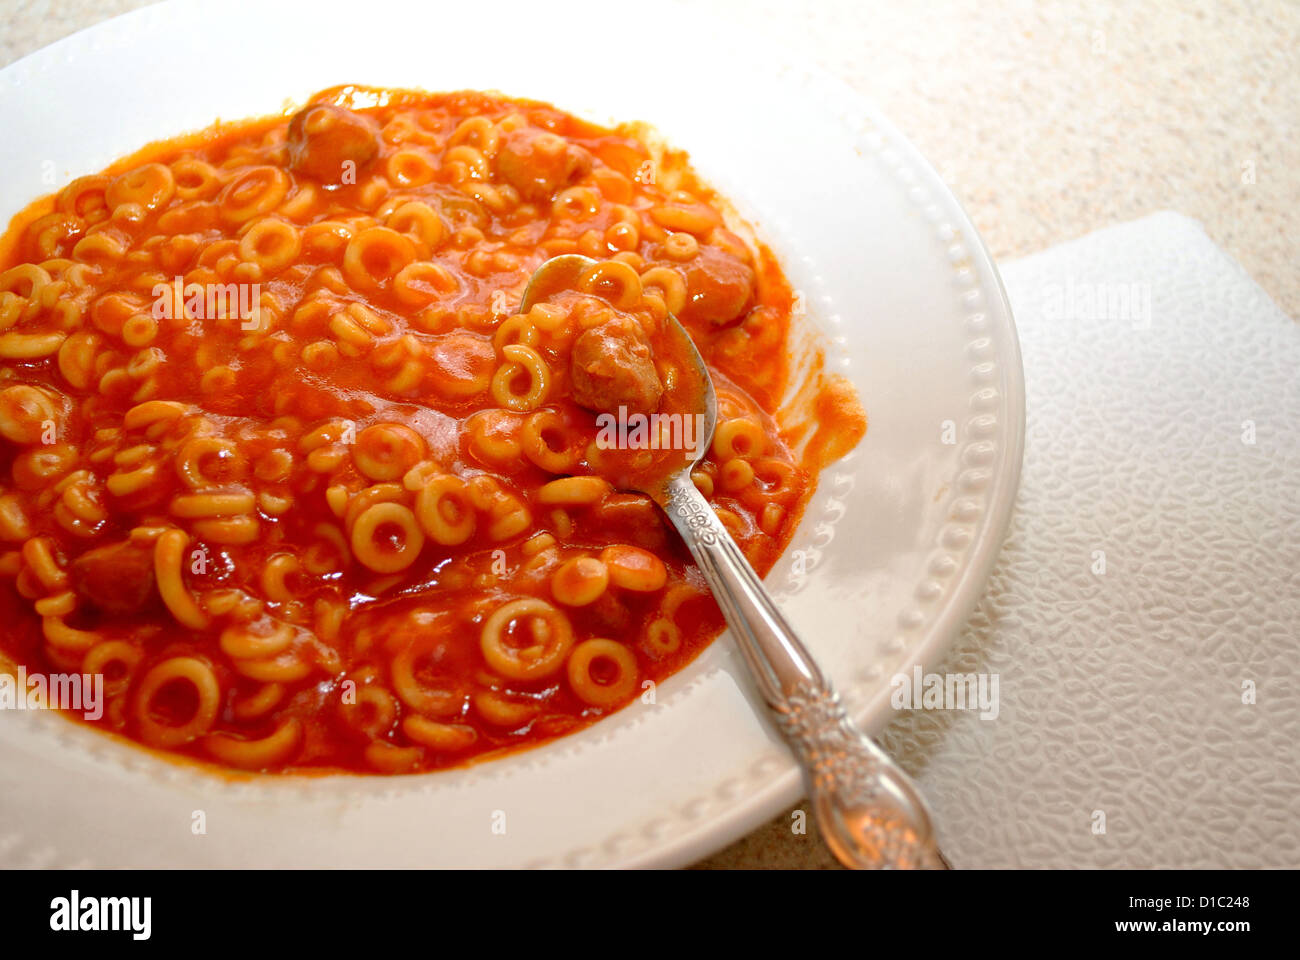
{"x": 869, "y": 811}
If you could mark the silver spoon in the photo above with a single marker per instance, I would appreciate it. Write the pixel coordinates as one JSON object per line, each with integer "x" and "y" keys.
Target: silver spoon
{"x": 869, "y": 811}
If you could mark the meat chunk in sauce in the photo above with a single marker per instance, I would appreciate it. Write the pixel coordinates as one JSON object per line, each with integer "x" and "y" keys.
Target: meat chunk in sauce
{"x": 537, "y": 163}
{"x": 323, "y": 138}
{"x": 633, "y": 518}
{"x": 117, "y": 579}
{"x": 718, "y": 287}
{"x": 612, "y": 367}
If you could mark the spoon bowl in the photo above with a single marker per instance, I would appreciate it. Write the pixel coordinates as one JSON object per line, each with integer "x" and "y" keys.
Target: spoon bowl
{"x": 693, "y": 384}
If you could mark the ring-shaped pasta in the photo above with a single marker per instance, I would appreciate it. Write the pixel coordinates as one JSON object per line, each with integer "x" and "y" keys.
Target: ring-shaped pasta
{"x": 139, "y": 331}
{"x": 320, "y": 356}
{"x": 574, "y": 491}
{"x": 26, "y": 281}
{"x": 271, "y": 244}
{"x": 580, "y": 581}
{"x": 416, "y": 694}
{"x": 479, "y": 132}
{"x": 577, "y": 203}
{"x": 48, "y": 233}
{"x": 328, "y": 553}
{"x": 546, "y": 441}
{"x": 517, "y": 329}
{"x": 288, "y": 667}
{"x": 26, "y": 411}
{"x": 194, "y": 179}
{"x": 168, "y": 558}
{"x": 243, "y": 641}
{"x": 735, "y": 474}
{"x": 551, "y": 635}
{"x": 191, "y": 670}
{"x": 254, "y": 193}
{"x": 371, "y": 711}
{"x": 778, "y": 480}
{"x": 181, "y": 221}
{"x": 375, "y": 256}
{"x": 670, "y": 284}
{"x": 466, "y": 163}
{"x": 104, "y": 655}
{"x": 80, "y": 510}
{"x": 385, "y": 451}
{"x": 623, "y": 236}
{"x": 770, "y": 519}
{"x": 663, "y": 638}
{"x": 419, "y": 475}
{"x": 30, "y": 346}
{"x": 63, "y": 637}
{"x": 352, "y": 336}
{"x": 146, "y": 362}
{"x": 612, "y": 280}
{"x": 502, "y": 711}
{"x": 125, "y": 483}
{"x": 447, "y": 737}
{"x": 680, "y": 246}
{"x": 41, "y": 466}
{"x": 150, "y": 186}
{"x": 739, "y": 437}
{"x": 258, "y": 704}
{"x": 410, "y": 168}
{"x": 327, "y": 433}
{"x": 421, "y": 282}
{"x": 191, "y": 506}
{"x": 386, "y": 757}
{"x": 85, "y": 198}
{"x": 444, "y": 510}
{"x": 509, "y": 520}
{"x": 632, "y": 568}
{"x": 602, "y": 673}
{"x": 419, "y": 221}
{"x": 520, "y": 361}
{"x": 387, "y": 553}
{"x": 273, "y": 750}
{"x": 205, "y": 462}
{"x": 13, "y": 308}
{"x": 274, "y": 465}
{"x": 228, "y": 530}
{"x": 493, "y": 437}
{"x": 147, "y": 414}
{"x": 360, "y": 502}
{"x": 686, "y": 217}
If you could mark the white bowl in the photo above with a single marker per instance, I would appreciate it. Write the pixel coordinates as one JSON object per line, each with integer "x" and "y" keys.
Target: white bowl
{"x": 895, "y": 546}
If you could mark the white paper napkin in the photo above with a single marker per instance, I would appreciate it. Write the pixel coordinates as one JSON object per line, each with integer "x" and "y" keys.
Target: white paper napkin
{"x": 1150, "y": 579}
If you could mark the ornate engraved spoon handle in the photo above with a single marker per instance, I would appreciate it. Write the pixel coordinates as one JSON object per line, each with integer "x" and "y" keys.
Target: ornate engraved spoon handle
{"x": 868, "y": 809}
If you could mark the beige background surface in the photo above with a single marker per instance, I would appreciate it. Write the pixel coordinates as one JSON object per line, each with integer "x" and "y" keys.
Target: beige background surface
{"x": 1048, "y": 120}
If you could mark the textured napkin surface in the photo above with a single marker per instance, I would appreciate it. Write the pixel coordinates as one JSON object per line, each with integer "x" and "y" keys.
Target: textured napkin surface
{"x": 1149, "y": 587}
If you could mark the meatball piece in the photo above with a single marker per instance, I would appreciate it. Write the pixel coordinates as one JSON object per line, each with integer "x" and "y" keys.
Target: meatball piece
{"x": 718, "y": 287}
{"x": 612, "y": 366}
{"x": 323, "y": 138}
{"x": 118, "y": 578}
{"x": 537, "y": 163}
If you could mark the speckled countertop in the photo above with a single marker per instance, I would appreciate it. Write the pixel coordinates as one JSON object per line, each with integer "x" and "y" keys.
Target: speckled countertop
{"x": 1048, "y": 120}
